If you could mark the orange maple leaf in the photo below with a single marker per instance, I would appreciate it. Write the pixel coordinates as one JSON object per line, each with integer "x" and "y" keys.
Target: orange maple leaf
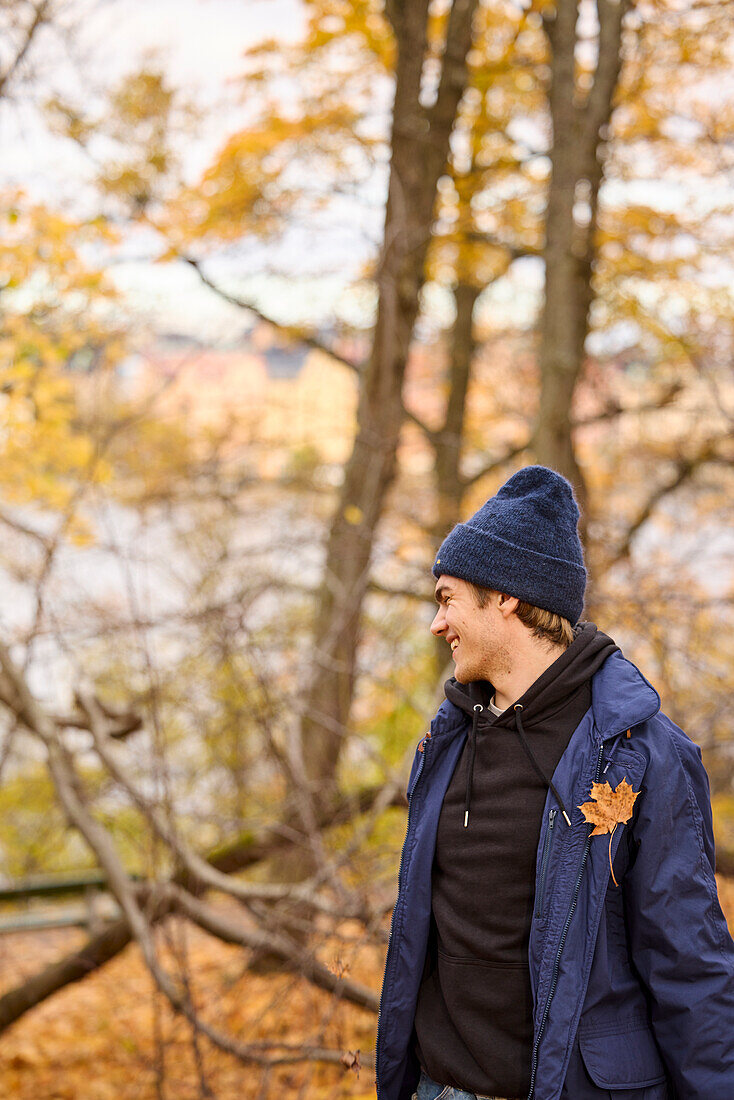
{"x": 611, "y": 808}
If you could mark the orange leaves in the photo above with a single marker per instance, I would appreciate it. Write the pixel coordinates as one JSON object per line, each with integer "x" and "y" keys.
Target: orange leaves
{"x": 610, "y": 809}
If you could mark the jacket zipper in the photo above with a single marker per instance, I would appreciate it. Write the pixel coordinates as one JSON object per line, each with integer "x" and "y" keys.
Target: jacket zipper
{"x": 421, "y": 765}
{"x": 544, "y": 863}
{"x": 557, "y": 963}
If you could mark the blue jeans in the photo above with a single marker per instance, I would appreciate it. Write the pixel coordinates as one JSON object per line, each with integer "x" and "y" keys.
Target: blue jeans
{"x": 430, "y": 1090}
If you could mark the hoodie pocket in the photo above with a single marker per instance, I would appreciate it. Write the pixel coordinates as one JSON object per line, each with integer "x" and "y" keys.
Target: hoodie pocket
{"x": 623, "y": 1060}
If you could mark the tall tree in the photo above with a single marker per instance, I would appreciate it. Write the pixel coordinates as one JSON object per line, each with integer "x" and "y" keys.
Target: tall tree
{"x": 548, "y": 67}
{"x": 419, "y": 151}
{"x": 580, "y": 120}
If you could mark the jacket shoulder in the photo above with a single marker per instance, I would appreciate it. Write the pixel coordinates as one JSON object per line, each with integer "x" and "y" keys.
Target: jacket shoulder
{"x": 664, "y": 744}
{"x": 676, "y": 783}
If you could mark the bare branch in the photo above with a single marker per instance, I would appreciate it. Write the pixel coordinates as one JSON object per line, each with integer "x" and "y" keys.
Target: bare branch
{"x": 516, "y": 252}
{"x": 493, "y": 465}
{"x": 23, "y": 529}
{"x": 293, "y": 333}
{"x": 238, "y": 855}
{"x": 69, "y": 790}
{"x": 615, "y": 410}
{"x": 610, "y": 413}
{"x": 288, "y": 952}
{"x": 120, "y": 723}
{"x": 196, "y": 867}
{"x": 611, "y": 15}
{"x": 41, "y": 13}
{"x": 453, "y": 70}
{"x": 685, "y": 469}
{"x": 96, "y": 952}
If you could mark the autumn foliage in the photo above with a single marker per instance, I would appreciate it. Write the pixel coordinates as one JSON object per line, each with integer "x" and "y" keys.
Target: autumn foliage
{"x": 214, "y": 655}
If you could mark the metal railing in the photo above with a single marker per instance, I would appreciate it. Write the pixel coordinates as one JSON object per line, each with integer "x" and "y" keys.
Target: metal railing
{"x": 98, "y": 908}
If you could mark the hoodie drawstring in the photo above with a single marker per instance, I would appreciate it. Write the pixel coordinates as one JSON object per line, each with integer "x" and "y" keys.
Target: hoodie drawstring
{"x": 472, "y": 754}
{"x": 529, "y": 753}
{"x": 478, "y": 709}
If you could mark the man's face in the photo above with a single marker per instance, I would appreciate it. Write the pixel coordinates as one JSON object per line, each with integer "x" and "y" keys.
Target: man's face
{"x": 477, "y": 635}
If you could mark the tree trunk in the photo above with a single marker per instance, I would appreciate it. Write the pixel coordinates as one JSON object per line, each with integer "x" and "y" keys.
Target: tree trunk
{"x": 420, "y": 146}
{"x": 576, "y": 173}
{"x": 449, "y": 440}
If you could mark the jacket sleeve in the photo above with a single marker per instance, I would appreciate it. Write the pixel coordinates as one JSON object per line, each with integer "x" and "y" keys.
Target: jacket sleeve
{"x": 679, "y": 939}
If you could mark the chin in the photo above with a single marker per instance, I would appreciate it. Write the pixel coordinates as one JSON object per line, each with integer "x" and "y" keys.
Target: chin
{"x": 465, "y": 676}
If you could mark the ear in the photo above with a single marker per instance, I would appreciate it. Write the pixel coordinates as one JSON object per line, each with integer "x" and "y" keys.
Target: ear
{"x": 507, "y": 604}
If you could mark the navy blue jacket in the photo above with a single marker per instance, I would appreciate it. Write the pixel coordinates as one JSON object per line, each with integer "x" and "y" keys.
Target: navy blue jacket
{"x": 639, "y": 977}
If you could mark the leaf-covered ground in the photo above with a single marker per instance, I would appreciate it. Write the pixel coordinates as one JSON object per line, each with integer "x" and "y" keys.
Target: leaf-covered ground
{"x": 96, "y": 1040}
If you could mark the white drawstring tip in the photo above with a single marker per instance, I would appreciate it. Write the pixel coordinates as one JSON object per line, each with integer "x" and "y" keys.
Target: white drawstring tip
{"x": 568, "y": 819}
{"x": 466, "y": 818}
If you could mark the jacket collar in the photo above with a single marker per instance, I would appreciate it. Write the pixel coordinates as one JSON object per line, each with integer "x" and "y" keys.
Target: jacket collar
{"x": 621, "y": 697}
{"x": 449, "y": 719}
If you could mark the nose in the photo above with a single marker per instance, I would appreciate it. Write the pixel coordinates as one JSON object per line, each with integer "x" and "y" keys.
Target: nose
{"x": 438, "y": 626}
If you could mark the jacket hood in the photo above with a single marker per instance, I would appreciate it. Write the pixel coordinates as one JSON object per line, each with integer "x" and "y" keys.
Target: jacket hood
{"x": 576, "y": 665}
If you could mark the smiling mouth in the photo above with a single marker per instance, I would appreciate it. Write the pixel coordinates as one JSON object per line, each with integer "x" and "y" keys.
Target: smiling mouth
{"x": 454, "y": 644}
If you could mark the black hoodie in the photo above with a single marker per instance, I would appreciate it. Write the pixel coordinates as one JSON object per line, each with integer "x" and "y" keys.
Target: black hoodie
{"x": 474, "y": 1017}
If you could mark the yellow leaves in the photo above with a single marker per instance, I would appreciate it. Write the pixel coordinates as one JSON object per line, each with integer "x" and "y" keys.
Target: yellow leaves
{"x": 361, "y": 23}
{"x": 41, "y": 251}
{"x": 66, "y": 120}
{"x": 35, "y": 835}
{"x": 134, "y": 138}
{"x": 54, "y": 306}
{"x": 353, "y": 515}
{"x": 302, "y": 146}
{"x": 40, "y": 443}
{"x": 144, "y": 96}
{"x": 251, "y": 186}
{"x": 723, "y": 810}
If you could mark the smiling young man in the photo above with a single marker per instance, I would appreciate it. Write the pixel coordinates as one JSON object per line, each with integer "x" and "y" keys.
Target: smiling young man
{"x": 530, "y": 957}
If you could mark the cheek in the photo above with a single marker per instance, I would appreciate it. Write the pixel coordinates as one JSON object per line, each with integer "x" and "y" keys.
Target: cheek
{"x": 455, "y": 622}
{"x": 464, "y": 624}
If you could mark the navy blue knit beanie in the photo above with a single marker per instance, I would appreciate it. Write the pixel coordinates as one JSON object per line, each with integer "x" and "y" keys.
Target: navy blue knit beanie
{"x": 524, "y": 541}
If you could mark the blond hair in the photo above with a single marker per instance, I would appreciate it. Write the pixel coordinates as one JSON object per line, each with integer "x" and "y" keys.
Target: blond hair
{"x": 546, "y": 625}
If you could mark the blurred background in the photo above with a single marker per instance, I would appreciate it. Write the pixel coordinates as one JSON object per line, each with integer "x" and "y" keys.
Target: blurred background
{"x": 288, "y": 288}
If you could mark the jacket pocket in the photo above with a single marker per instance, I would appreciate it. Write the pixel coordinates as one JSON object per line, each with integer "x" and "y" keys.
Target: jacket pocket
{"x": 623, "y": 1060}
{"x": 540, "y": 894}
